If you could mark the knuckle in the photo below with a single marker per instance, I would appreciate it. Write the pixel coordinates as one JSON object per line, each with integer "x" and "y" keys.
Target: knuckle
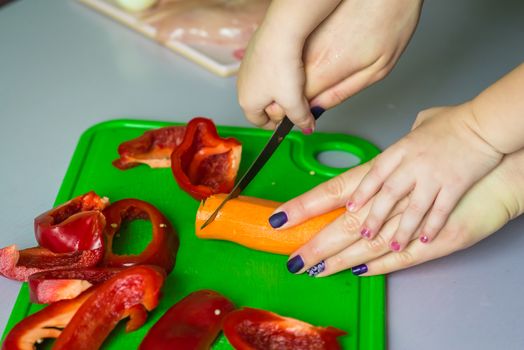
{"x": 350, "y": 224}
{"x": 405, "y": 258}
{"x": 416, "y": 208}
{"x": 377, "y": 244}
{"x": 335, "y": 188}
{"x": 337, "y": 96}
{"x": 390, "y": 189}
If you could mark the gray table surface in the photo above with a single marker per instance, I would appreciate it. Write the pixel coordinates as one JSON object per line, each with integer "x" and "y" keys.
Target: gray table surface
{"x": 64, "y": 68}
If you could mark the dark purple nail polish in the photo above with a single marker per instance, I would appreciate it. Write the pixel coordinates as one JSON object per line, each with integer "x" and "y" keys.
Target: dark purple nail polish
{"x": 317, "y": 111}
{"x": 316, "y": 269}
{"x": 295, "y": 264}
{"x": 359, "y": 270}
{"x": 365, "y": 232}
{"x": 278, "y": 219}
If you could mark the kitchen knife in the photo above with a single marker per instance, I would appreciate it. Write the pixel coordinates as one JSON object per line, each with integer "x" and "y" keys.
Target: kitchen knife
{"x": 278, "y": 136}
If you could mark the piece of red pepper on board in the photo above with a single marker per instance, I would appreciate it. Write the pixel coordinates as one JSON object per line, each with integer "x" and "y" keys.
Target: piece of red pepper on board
{"x": 51, "y": 286}
{"x": 254, "y": 329}
{"x": 75, "y": 225}
{"x": 204, "y": 163}
{"x": 162, "y": 249}
{"x": 153, "y": 148}
{"x": 191, "y": 324}
{"x": 85, "y": 321}
{"x": 20, "y": 264}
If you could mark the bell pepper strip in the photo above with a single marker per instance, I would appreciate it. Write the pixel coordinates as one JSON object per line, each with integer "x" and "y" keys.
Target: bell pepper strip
{"x": 50, "y": 286}
{"x": 254, "y": 329}
{"x": 153, "y": 148}
{"x": 75, "y": 225}
{"x": 191, "y": 324}
{"x": 135, "y": 290}
{"x": 44, "y": 324}
{"x": 204, "y": 163}
{"x": 162, "y": 249}
{"x": 111, "y": 301}
{"x": 20, "y": 264}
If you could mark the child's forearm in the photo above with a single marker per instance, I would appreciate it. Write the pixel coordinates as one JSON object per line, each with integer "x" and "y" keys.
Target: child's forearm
{"x": 293, "y": 20}
{"x": 499, "y": 112}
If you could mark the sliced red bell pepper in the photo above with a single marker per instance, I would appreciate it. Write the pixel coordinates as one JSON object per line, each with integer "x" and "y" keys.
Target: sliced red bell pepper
{"x": 20, "y": 264}
{"x": 162, "y": 249}
{"x": 75, "y": 225}
{"x": 254, "y": 329}
{"x": 85, "y": 321}
{"x": 153, "y": 148}
{"x": 51, "y": 286}
{"x": 204, "y": 163}
{"x": 44, "y": 324}
{"x": 99, "y": 314}
{"x": 191, "y": 324}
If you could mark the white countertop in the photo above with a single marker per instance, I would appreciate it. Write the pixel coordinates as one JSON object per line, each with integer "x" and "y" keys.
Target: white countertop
{"x": 64, "y": 68}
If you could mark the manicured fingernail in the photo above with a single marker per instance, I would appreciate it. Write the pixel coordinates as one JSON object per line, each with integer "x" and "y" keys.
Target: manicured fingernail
{"x": 350, "y": 206}
{"x": 295, "y": 264}
{"x": 316, "y": 269}
{"x": 365, "y": 232}
{"x": 307, "y": 131}
{"x": 317, "y": 111}
{"x": 395, "y": 246}
{"x": 359, "y": 270}
{"x": 278, "y": 219}
{"x": 424, "y": 239}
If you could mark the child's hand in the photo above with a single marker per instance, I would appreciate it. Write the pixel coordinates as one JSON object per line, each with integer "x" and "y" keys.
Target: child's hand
{"x": 433, "y": 166}
{"x": 272, "y": 72}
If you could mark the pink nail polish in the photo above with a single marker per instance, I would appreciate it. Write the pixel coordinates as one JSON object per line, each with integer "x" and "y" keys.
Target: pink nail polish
{"x": 424, "y": 239}
{"x": 350, "y": 206}
{"x": 395, "y": 246}
{"x": 307, "y": 131}
{"x": 365, "y": 232}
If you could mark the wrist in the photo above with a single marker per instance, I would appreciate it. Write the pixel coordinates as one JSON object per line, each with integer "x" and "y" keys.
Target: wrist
{"x": 476, "y": 133}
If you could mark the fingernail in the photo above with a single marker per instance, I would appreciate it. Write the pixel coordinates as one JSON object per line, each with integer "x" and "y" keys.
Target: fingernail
{"x": 307, "y": 131}
{"x": 295, "y": 264}
{"x": 424, "y": 239}
{"x": 365, "y": 232}
{"x": 359, "y": 270}
{"x": 350, "y": 206}
{"x": 316, "y": 269}
{"x": 395, "y": 246}
{"x": 278, "y": 219}
{"x": 317, "y": 111}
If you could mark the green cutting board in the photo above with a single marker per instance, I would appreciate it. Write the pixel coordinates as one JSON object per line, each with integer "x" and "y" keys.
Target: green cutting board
{"x": 247, "y": 277}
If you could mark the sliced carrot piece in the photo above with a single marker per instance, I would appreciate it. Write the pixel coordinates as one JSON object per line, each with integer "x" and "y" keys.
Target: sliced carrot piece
{"x": 244, "y": 220}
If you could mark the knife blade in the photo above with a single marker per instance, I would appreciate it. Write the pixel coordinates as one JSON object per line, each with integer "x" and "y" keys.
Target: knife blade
{"x": 275, "y": 140}
{"x": 278, "y": 136}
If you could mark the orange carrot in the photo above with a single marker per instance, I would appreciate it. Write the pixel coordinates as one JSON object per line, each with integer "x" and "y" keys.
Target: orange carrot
{"x": 244, "y": 220}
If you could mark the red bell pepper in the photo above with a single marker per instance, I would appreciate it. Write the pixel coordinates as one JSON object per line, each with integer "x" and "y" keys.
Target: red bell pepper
{"x": 162, "y": 249}
{"x": 204, "y": 163}
{"x": 191, "y": 324}
{"x": 74, "y": 225}
{"x": 254, "y": 329}
{"x": 51, "y": 286}
{"x": 44, "y": 324}
{"x": 20, "y": 264}
{"x": 153, "y": 148}
{"x": 87, "y": 319}
{"x": 98, "y": 315}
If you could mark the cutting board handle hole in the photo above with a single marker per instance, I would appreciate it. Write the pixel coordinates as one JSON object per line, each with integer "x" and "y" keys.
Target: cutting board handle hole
{"x": 337, "y": 159}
